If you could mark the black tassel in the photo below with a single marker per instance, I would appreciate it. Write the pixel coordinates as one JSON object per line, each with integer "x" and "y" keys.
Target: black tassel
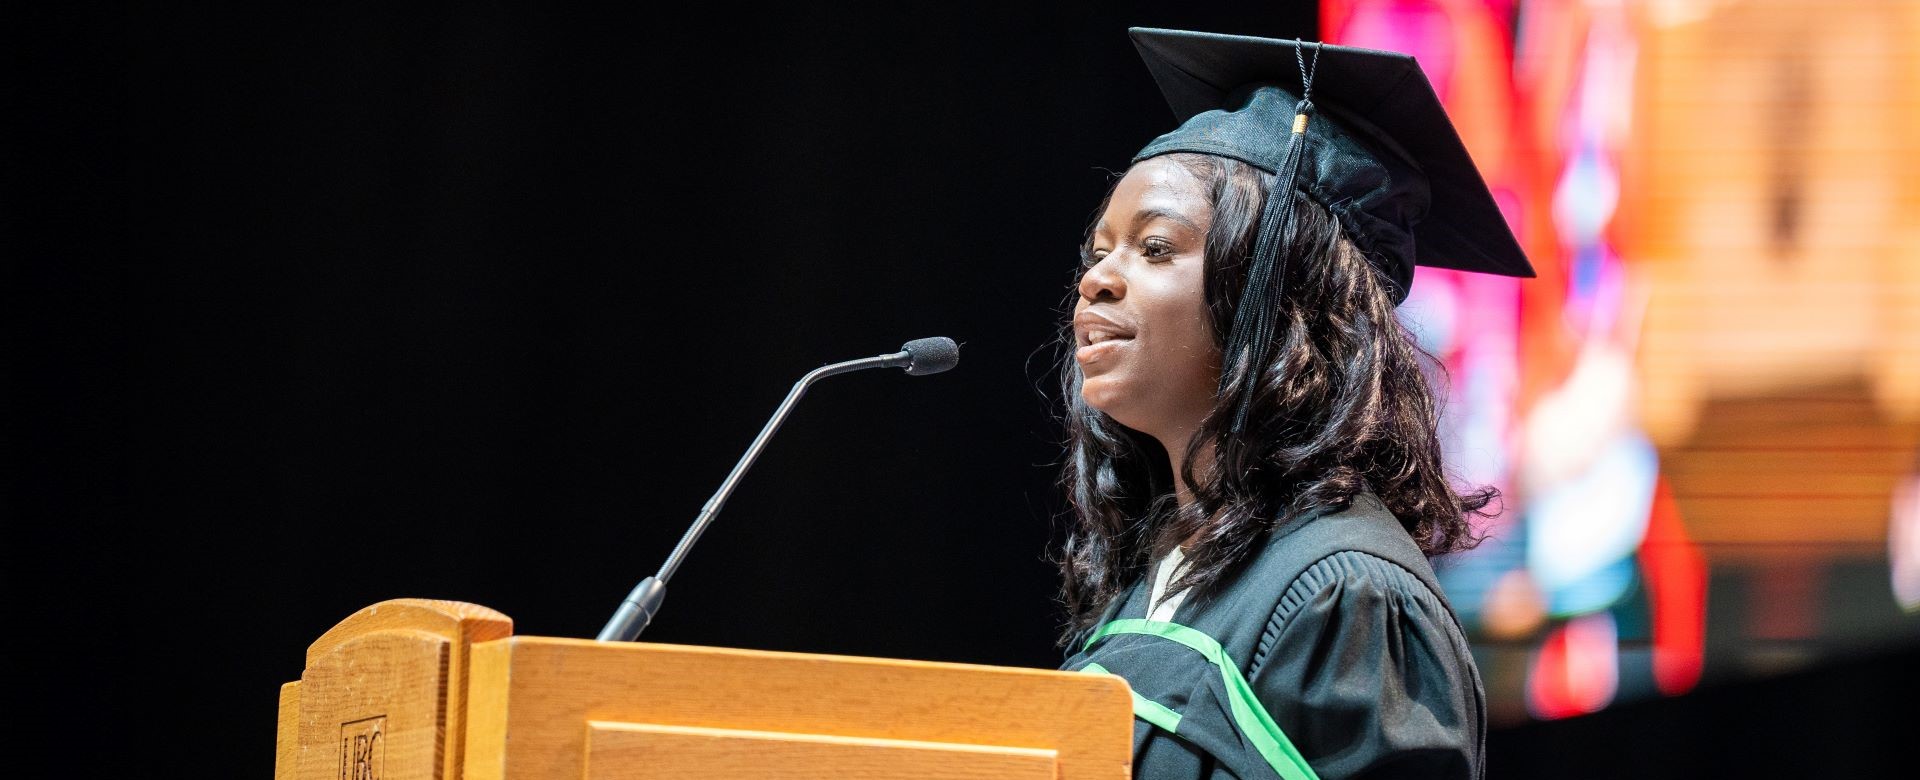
{"x": 1251, "y": 339}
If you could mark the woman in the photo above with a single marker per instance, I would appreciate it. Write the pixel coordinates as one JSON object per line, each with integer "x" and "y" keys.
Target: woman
{"x": 1253, "y": 468}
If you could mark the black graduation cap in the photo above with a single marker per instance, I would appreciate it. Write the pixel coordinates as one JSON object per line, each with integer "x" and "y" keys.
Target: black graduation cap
{"x": 1359, "y": 131}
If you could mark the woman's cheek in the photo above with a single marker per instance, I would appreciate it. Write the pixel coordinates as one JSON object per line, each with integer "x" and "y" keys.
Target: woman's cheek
{"x": 1199, "y": 359}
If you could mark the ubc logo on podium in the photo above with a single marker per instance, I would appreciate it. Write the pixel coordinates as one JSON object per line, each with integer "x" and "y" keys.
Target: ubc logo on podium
{"x": 362, "y": 748}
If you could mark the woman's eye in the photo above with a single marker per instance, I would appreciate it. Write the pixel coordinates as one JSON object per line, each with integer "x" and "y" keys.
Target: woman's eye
{"x": 1093, "y": 258}
{"x": 1154, "y": 247}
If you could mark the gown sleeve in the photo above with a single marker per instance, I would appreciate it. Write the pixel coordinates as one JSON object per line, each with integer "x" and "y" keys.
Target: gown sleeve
{"x": 1366, "y": 671}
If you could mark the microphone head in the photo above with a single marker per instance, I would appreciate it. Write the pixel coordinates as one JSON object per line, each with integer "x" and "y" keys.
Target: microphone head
{"x": 931, "y": 356}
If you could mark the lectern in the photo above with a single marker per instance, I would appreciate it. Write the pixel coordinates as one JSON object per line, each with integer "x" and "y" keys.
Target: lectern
{"x": 413, "y": 689}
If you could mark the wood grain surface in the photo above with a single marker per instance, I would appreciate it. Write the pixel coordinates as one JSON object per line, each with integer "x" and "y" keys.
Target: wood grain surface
{"x": 416, "y": 690}
{"x": 533, "y": 699}
{"x": 458, "y": 624}
{"x": 628, "y": 751}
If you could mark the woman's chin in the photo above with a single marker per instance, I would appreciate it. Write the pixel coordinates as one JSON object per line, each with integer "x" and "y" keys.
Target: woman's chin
{"x": 1109, "y": 396}
{"x": 1100, "y": 392}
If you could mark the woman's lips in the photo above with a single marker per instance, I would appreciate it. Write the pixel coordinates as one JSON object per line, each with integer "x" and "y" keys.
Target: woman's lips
{"x": 1098, "y": 336}
{"x": 1094, "y": 353}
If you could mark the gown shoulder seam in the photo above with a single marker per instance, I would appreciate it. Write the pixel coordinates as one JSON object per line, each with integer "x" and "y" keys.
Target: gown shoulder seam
{"x": 1285, "y": 607}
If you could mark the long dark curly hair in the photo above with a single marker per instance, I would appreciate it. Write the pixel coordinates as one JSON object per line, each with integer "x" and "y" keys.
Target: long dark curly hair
{"x": 1344, "y": 407}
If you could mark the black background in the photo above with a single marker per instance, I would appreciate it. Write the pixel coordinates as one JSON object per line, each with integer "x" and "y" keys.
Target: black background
{"x": 311, "y": 309}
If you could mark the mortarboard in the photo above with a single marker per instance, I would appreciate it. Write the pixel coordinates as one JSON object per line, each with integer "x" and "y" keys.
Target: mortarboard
{"x": 1358, "y": 131}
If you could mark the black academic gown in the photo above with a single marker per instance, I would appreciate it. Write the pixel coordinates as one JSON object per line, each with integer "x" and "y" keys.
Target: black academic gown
{"x": 1333, "y": 648}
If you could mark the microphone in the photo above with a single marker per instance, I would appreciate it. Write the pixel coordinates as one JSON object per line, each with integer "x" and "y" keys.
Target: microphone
{"x": 918, "y": 357}
{"x": 921, "y": 357}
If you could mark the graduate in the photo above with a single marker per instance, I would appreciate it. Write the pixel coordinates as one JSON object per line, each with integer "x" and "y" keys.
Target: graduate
{"x": 1253, "y": 464}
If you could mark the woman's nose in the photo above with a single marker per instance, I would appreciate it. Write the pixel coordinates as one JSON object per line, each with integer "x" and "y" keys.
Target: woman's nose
{"x": 1103, "y": 281}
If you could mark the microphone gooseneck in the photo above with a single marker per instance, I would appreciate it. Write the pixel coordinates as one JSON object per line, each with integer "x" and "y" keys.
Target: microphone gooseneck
{"x": 918, "y": 357}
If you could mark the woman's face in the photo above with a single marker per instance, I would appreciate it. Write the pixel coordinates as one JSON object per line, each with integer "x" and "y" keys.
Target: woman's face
{"x": 1146, "y": 349}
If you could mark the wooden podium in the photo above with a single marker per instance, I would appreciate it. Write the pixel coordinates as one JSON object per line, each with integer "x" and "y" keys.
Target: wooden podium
{"x": 414, "y": 689}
